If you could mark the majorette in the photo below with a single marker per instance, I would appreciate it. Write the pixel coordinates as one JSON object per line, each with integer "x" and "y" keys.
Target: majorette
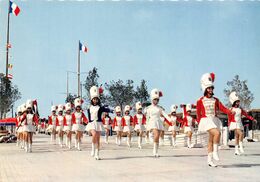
{"x": 95, "y": 125}
{"x": 61, "y": 120}
{"x": 153, "y": 113}
{"x": 139, "y": 122}
{"x": 174, "y": 123}
{"x": 68, "y": 124}
{"x": 30, "y": 121}
{"x": 127, "y": 124}
{"x": 78, "y": 118}
{"x": 118, "y": 125}
{"x": 19, "y": 128}
{"x": 207, "y": 108}
{"x": 52, "y": 121}
{"x": 188, "y": 122}
{"x": 235, "y": 122}
{"x": 107, "y": 122}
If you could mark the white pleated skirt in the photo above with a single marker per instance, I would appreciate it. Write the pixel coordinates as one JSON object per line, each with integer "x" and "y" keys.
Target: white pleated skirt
{"x": 155, "y": 125}
{"x": 209, "y": 123}
{"x": 78, "y": 127}
{"x": 173, "y": 128}
{"x": 97, "y": 126}
{"x": 236, "y": 125}
{"x": 118, "y": 128}
{"x": 128, "y": 129}
{"x": 107, "y": 127}
{"x": 188, "y": 129}
{"x": 29, "y": 128}
{"x": 59, "y": 128}
{"x": 67, "y": 128}
{"x": 139, "y": 127}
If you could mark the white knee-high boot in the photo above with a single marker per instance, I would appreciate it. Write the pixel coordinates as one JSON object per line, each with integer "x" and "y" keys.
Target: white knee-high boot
{"x": 93, "y": 150}
{"x": 30, "y": 147}
{"x": 26, "y": 147}
{"x": 79, "y": 146}
{"x": 97, "y": 152}
{"x": 210, "y": 162}
{"x": 215, "y": 152}
{"x": 155, "y": 149}
{"x": 76, "y": 143}
{"x": 173, "y": 141}
{"x": 128, "y": 142}
{"x": 241, "y": 147}
{"x": 237, "y": 150}
{"x": 140, "y": 142}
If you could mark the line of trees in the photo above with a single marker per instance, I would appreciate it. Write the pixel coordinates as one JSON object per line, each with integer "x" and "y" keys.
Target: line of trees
{"x": 9, "y": 94}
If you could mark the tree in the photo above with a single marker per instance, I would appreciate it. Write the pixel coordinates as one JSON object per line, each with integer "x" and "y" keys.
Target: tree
{"x": 71, "y": 98}
{"x": 9, "y": 94}
{"x": 120, "y": 93}
{"x": 141, "y": 93}
{"x": 242, "y": 90}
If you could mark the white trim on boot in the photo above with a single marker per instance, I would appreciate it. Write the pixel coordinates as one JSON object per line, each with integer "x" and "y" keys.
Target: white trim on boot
{"x": 237, "y": 150}
{"x": 210, "y": 162}
{"x": 241, "y": 148}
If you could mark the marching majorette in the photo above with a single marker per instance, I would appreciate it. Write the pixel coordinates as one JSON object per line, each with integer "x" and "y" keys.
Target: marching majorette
{"x": 139, "y": 122}
{"x": 19, "y": 129}
{"x": 127, "y": 124}
{"x": 118, "y": 125}
{"x": 60, "y": 124}
{"x": 107, "y": 122}
{"x": 78, "y": 117}
{"x": 21, "y": 125}
{"x": 188, "y": 122}
{"x": 68, "y": 124}
{"x": 207, "y": 108}
{"x": 153, "y": 113}
{"x": 174, "y": 123}
{"x": 52, "y": 121}
{"x": 30, "y": 121}
{"x": 235, "y": 122}
{"x": 95, "y": 125}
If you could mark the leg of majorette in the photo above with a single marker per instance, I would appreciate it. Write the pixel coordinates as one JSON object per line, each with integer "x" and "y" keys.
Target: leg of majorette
{"x": 106, "y": 136}
{"x": 173, "y": 138}
{"x": 215, "y": 134}
{"x": 189, "y": 139}
{"x": 128, "y": 139}
{"x": 79, "y": 140}
{"x": 30, "y": 135}
{"x": 69, "y": 139}
{"x": 23, "y": 142}
{"x": 161, "y": 140}
{"x": 98, "y": 133}
{"x": 66, "y": 139}
{"x": 210, "y": 150}
{"x": 147, "y": 136}
{"x": 156, "y": 135}
{"x": 140, "y": 139}
{"x": 236, "y": 142}
{"x": 93, "y": 144}
{"x": 241, "y": 137}
{"x": 26, "y": 139}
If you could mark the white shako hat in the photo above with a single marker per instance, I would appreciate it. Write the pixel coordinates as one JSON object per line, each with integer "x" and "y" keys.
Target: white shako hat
{"x": 67, "y": 106}
{"x": 118, "y": 109}
{"x": 156, "y": 94}
{"x": 174, "y": 108}
{"x": 138, "y": 105}
{"x": 60, "y": 107}
{"x": 53, "y": 108}
{"x": 207, "y": 80}
{"x": 23, "y": 107}
{"x": 188, "y": 107}
{"x": 95, "y": 92}
{"x": 29, "y": 103}
{"x": 233, "y": 97}
{"x": 127, "y": 108}
{"x": 78, "y": 102}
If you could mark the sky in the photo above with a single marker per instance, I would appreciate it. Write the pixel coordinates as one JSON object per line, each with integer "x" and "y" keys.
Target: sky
{"x": 169, "y": 44}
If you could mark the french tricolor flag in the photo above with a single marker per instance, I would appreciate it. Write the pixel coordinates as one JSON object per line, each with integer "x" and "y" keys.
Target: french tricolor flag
{"x": 82, "y": 47}
{"x": 14, "y": 8}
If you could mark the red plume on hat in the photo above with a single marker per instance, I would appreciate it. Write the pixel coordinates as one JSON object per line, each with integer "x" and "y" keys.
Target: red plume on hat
{"x": 100, "y": 90}
{"x": 212, "y": 75}
{"x": 160, "y": 94}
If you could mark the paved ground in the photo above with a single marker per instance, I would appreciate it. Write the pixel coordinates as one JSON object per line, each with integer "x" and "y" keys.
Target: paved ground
{"x": 51, "y": 163}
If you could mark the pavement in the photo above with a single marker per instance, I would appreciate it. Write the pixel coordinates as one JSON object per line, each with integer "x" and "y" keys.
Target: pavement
{"x": 49, "y": 162}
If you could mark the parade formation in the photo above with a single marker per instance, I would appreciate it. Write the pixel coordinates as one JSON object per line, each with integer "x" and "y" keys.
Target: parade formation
{"x": 68, "y": 120}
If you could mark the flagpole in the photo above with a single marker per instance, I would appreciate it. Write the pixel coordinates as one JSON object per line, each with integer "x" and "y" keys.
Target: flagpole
{"x": 79, "y": 70}
{"x": 7, "y": 40}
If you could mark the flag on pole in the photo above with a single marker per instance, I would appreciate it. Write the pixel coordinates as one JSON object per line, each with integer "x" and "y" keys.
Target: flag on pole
{"x": 10, "y": 66}
{"x": 14, "y": 8}
{"x": 82, "y": 47}
{"x": 10, "y": 76}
